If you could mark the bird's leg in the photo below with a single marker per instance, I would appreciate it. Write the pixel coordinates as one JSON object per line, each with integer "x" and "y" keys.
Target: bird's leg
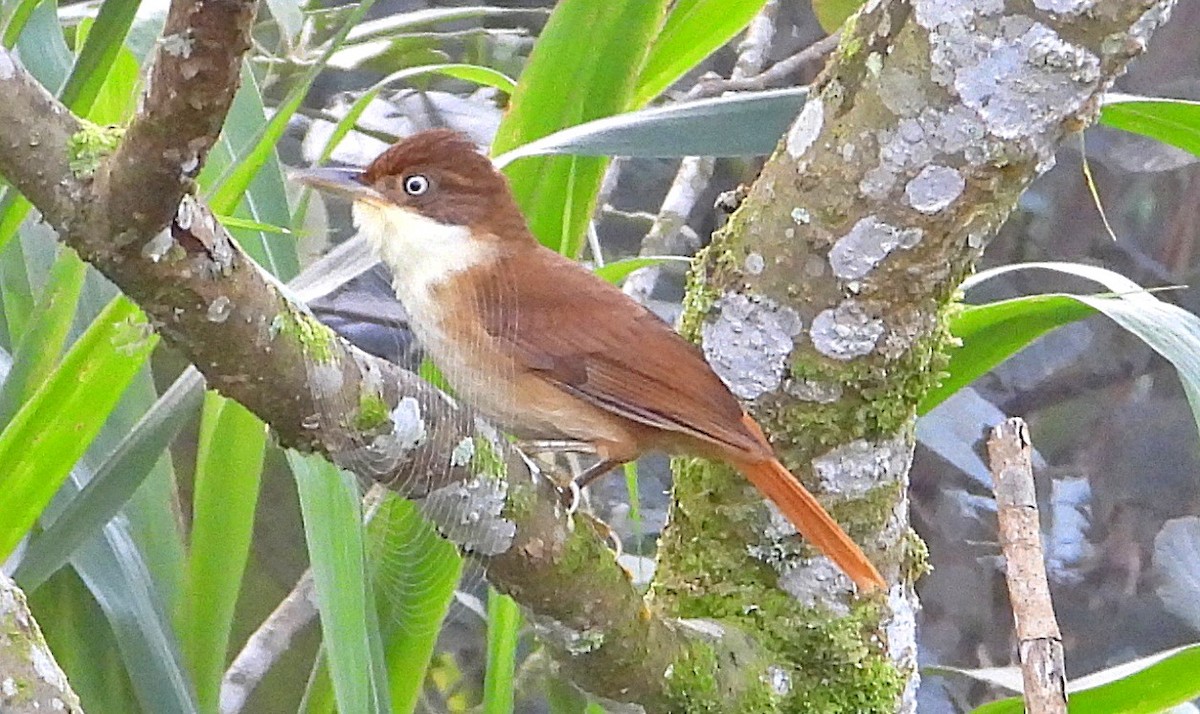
{"x": 595, "y": 471}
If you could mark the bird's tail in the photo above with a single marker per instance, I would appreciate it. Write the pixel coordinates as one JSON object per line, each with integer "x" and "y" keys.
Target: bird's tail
{"x": 806, "y": 513}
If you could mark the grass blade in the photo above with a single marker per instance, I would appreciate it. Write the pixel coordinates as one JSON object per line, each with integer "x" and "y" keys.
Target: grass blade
{"x": 114, "y": 482}
{"x": 568, "y": 82}
{"x": 694, "y": 30}
{"x": 229, "y": 462}
{"x": 737, "y": 125}
{"x": 53, "y": 429}
{"x": 504, "y": 628}
{"x": 1171, "y": 121}
{"x": 333, "y": 528}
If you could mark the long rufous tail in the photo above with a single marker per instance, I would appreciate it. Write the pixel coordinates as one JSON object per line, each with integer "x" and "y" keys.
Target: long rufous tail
{"x": 806, "y": 513}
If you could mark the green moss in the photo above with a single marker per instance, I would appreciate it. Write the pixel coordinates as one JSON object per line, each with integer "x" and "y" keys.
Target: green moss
{"x": 486, "y": 460}
{"x": 90, "y": 145}
{"x": 915, "y": 560}
{"x": 316, "y": 339}
{"x": 866, "y": 515}
{"x": 372, "y": 412}
{"x": 691, "y": 684}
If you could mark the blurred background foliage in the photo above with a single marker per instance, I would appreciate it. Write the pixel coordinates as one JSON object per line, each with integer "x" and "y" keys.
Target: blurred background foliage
{"x": 156, "y": 527}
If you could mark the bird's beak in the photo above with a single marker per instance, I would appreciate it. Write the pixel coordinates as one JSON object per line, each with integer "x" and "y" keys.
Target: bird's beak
{"x": 346, "y": 183}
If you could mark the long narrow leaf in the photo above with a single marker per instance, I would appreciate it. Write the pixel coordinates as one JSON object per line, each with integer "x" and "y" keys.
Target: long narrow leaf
{"x": 53, "y": 429}
{"x": 504, "y": 626}
{"x": 1171, "y": 121}
{"x": 99, "y": 51}
{"x": 415, "y": 573}
{"x": 42, "y": 343}
{"x": 333, "y": 530}
{"x": 113, "y": 483}
{"x": 233, "y": 184}
{"x": 568, "y": 82}
{"x": 694, "y": 30}
{"x": 736, "y": 125}
{"x": 229, "y": 463}
{"x": 1146, "y": 686}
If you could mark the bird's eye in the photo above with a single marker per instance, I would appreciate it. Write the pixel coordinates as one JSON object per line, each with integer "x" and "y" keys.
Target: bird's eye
{"x": 416, "y": 185}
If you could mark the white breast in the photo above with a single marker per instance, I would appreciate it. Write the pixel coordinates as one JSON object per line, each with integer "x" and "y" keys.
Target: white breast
{"x": 420, "y": 252}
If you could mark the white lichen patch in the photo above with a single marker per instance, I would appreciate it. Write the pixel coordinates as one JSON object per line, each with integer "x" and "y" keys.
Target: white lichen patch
{"x": 846, "y": 331}
{"x": 1064, "y": 7}
{"x": 811, "y": 390}
{"x": 748, "y": 343}
{"x": 8, "y": 68}
{"x": 778, "y": 680}
{"x": 806, "y": 127}
{"x": 219, "y": 309}
{"x": 1018, "y": 75}
{"x": 179, "y": 44}
{"x": 812, "y": 581}
{"x": 468, "y": 513}
{"x": 855, "y": 254}
{"x": 463, "y": 452}
{"x": 157, "y": 247}
{"x": 801, "y": 216}
{"x": 1145, "y": 26}
{"x": 408, "y": 426}
{"x": 8, "y": 687}
{"x": 900, "y": 629}
{"x": 854, "y": 469}
{"x": 934, "y": 189}
{"x": 754, "y": 264}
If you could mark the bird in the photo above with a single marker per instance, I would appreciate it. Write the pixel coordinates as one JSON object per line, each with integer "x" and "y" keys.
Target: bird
{"x": 542, "y": 347}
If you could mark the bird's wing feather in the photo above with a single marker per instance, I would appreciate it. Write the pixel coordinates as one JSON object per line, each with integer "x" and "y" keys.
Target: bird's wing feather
{"x": 595, "y": 342}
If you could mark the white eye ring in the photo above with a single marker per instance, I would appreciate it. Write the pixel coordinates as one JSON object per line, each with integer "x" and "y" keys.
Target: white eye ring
{"x": 416, "y": 185}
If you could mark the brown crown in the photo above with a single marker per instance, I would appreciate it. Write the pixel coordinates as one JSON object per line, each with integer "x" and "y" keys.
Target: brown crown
{"x": 465, "y": 188}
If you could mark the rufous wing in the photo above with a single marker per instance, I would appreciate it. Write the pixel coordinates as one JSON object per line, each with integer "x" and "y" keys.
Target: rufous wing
{"x": 590, "y": 339}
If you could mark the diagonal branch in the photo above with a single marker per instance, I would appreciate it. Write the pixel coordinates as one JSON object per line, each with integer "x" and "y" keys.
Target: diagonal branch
{"x": 138, "y": 225}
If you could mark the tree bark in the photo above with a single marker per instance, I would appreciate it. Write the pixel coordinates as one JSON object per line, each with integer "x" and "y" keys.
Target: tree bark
{"x": 824, "y": 304}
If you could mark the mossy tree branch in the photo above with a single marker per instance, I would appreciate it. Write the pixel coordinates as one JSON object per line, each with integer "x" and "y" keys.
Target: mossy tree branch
{"x": 824, "y": 302}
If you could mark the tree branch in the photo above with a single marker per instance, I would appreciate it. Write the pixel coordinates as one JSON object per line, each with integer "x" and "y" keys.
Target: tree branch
{"x": 30, "y": 680}
{"x": 1039, "y": 642}
{"x": 138, "y": 225}
{"x": 824, "y": 305}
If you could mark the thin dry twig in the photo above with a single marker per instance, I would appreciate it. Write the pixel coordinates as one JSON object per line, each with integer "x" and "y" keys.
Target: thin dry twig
{"x": 1039, "y": 642}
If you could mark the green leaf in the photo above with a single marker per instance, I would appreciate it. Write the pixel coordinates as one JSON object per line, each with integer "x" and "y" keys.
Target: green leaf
{"x": 415, "y": 573}
{"x": 116, "y": 575}
{"x": 113, "y": 483}
{"x": 618, "y": 270}
{"x": 568, "y": 82}
{"x": 694, "y": 30}
{"x": 99, "y": 53}
{"x": 334, "y": 532}
{"x": 263, "y": 200}
{"x": 1171, "y": 121}
{"x": 1145, "y": 686}
{"x": 288, "y": 16}
{"x": 229, "y": 462}
{"x": 503, "y": 630}
{"x": 249, "y": 225}
{"x": 41, "y": 345}
{"x": 832, "y": 14}
{"x": 53, "y": 429}
{"x": 994, "y": 332}
{"x": 1168, "y": 329}
{"x": 228, "y": 190}
{"x": 735, "y": 125}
